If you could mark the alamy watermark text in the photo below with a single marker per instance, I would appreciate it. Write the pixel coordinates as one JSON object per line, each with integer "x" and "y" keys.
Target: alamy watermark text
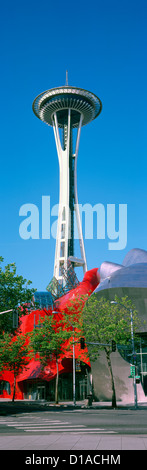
{"x": 99, "y": 222}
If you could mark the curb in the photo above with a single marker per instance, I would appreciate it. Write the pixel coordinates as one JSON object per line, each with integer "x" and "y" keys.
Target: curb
{"x": 10, "y": 407}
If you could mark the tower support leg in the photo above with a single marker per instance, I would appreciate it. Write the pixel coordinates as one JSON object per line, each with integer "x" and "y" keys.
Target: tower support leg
{"x": 64, "y": 229}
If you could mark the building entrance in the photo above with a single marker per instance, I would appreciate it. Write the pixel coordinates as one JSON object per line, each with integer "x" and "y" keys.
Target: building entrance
{"x": 37, "y": 390}
{"x": 41, "y": 392}
{"x": 83, "y": 389}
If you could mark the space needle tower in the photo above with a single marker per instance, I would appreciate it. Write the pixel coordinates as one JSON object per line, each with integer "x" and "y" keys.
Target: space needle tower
{"x": 67, "y": 108}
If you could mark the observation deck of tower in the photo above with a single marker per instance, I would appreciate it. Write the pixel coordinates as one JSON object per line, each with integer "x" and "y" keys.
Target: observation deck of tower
{"x": 66, "y": 108}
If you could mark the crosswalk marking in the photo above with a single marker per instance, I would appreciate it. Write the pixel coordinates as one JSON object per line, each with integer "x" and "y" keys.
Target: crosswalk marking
{"x": 39, "y": 426}
{"x": 47, "y": 425}
{"x": 95, "y": 432}
{"x": 13, "y": 423}
{"x": 83, "y": 430}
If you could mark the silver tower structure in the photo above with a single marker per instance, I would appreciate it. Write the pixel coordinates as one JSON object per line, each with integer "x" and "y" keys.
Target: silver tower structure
{"x": 65, "y": 108}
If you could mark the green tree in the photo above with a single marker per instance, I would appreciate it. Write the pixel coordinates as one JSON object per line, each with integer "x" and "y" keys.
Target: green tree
{"x": 15, "y": 294}
{"x": 14, "y": 355}
{"x": 47, "y": 341}
{"x": 72, "y": 317}
{"x": 104, "y": 322}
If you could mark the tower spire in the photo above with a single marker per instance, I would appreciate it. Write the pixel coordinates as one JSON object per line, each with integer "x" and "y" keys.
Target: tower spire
{"x": 66, "y": 77}
{"x": 67, "y": 108}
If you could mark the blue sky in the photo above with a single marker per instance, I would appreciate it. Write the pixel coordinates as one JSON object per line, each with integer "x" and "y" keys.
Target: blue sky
{"x": 103, "y": 45}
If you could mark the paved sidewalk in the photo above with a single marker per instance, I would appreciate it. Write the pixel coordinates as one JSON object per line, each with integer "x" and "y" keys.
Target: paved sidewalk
{"x": 73, "y": 441}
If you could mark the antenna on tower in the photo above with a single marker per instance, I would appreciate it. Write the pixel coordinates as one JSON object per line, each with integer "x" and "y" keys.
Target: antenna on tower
{"x": 67, "y": 77}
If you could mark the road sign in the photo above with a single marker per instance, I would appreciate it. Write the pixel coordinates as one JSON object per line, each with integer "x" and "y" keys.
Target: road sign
{"x": 132, "y": 371}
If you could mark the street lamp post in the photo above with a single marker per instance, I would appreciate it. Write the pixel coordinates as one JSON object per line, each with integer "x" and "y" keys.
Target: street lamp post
{"x": 74, "y": 370}
{"x": 74, "y": 366}
{"x": 6, "y": 311}
{"x": 133, "y": 347}
{"x": 133, "y": 351}
{"x": 15, "y": 319}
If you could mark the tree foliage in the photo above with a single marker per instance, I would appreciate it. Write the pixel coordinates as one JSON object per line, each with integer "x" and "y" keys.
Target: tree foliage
{"x": 47, "y": 339}
{"x": 15, "y": 294}
{"x": 47, "y": 342}
{"x": 72, "y": 318}
{"x": 14, "y": 355}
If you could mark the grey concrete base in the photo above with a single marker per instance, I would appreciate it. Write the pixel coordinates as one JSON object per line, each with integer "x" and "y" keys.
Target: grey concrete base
{"x": 123, "y": 384}
{"x": 73, "y": 441}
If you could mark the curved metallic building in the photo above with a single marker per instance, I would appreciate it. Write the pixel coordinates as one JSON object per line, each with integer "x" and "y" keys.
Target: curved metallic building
{"x": 131, "y": 273}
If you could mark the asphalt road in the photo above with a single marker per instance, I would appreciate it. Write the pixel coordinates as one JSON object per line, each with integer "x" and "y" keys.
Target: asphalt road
{"x": 131, "y": 422}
